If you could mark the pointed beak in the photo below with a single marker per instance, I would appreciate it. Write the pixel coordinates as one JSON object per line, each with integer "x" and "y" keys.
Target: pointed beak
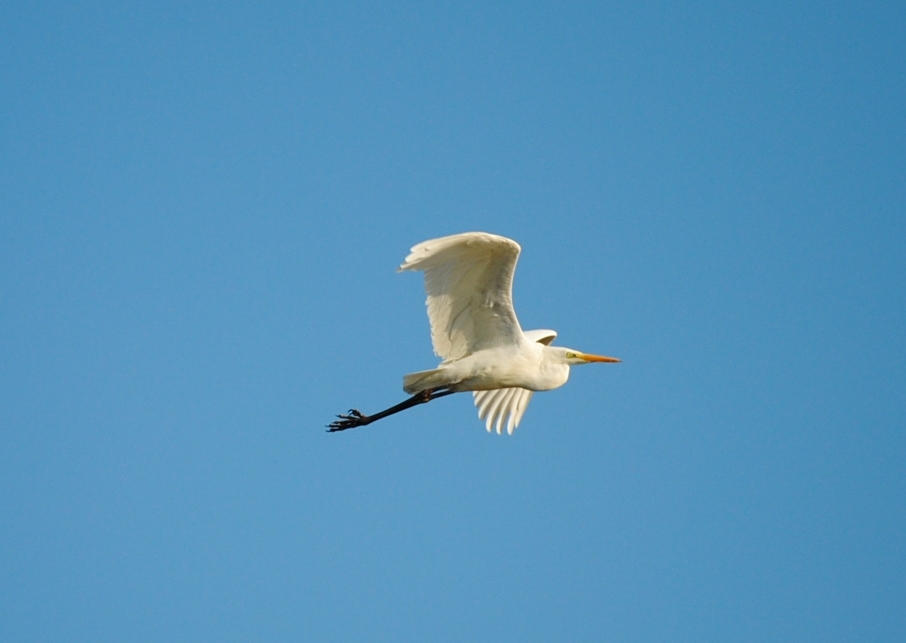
{"x": 599, "y": 358}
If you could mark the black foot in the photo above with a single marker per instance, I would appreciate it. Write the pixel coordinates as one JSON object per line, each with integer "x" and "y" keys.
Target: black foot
{"x": 351, "y": 420}
{"x": 354, "y": 418}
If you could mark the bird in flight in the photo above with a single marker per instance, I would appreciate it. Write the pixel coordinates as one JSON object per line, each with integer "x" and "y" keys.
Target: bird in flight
{"x": 469, "y": 281}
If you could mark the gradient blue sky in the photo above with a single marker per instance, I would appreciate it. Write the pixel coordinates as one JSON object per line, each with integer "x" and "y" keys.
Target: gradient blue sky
{"x": 202, "y": 210}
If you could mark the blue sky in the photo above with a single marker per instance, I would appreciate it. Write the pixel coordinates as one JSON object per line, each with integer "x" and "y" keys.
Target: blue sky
{"x": 203, "y": 210}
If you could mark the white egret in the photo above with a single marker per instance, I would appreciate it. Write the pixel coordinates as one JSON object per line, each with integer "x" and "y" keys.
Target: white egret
{"x": 469, "y": 281}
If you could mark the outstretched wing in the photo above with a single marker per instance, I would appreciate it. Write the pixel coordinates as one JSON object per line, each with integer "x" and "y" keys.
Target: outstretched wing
{"x": 469, "y": 281}
{"x": 508, "y": 404}
{"x": 497, "y": 405}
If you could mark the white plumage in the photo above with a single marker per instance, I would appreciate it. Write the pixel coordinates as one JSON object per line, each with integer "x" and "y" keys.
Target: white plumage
{"x": 474, "y": 329}
{"x": 469, "y": 281}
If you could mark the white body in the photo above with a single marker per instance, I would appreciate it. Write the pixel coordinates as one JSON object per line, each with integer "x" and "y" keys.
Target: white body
{"x": 521, "y": 365}
{"x": 469, "y": 281}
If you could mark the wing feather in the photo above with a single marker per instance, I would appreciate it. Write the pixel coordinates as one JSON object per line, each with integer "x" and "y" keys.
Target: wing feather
{"x": 484, "y": 401}
{"x": 502, "y": 404}
{"x": 469, "y": 282}
{"x": 499, "y": 410}
{"x": 523, "y": 405}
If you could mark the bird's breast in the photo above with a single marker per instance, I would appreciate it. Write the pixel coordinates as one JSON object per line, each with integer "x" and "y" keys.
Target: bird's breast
{"x": 550, "y": 376}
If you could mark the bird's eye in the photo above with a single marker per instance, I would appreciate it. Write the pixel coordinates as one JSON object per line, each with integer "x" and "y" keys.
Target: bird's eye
{"x": 570, "y": 355}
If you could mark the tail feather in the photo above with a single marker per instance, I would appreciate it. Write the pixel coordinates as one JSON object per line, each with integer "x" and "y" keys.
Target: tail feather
{"x": 423, "y": 380}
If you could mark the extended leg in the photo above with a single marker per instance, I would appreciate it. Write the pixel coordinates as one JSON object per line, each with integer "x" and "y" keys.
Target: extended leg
{"x": 354, "y": 418}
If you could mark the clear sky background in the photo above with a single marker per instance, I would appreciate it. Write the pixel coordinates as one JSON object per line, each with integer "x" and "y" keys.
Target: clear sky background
{"x": 201, "y": 212}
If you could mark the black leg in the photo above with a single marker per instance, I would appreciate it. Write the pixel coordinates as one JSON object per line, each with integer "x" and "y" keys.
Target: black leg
{"x": 354, "y": 418}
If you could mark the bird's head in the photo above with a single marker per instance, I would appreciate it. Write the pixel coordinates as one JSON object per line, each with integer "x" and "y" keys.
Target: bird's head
{"x": 573, "y": 357}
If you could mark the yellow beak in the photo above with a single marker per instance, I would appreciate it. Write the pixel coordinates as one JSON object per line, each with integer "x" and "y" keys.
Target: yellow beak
{"x": 599, "y": 358}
